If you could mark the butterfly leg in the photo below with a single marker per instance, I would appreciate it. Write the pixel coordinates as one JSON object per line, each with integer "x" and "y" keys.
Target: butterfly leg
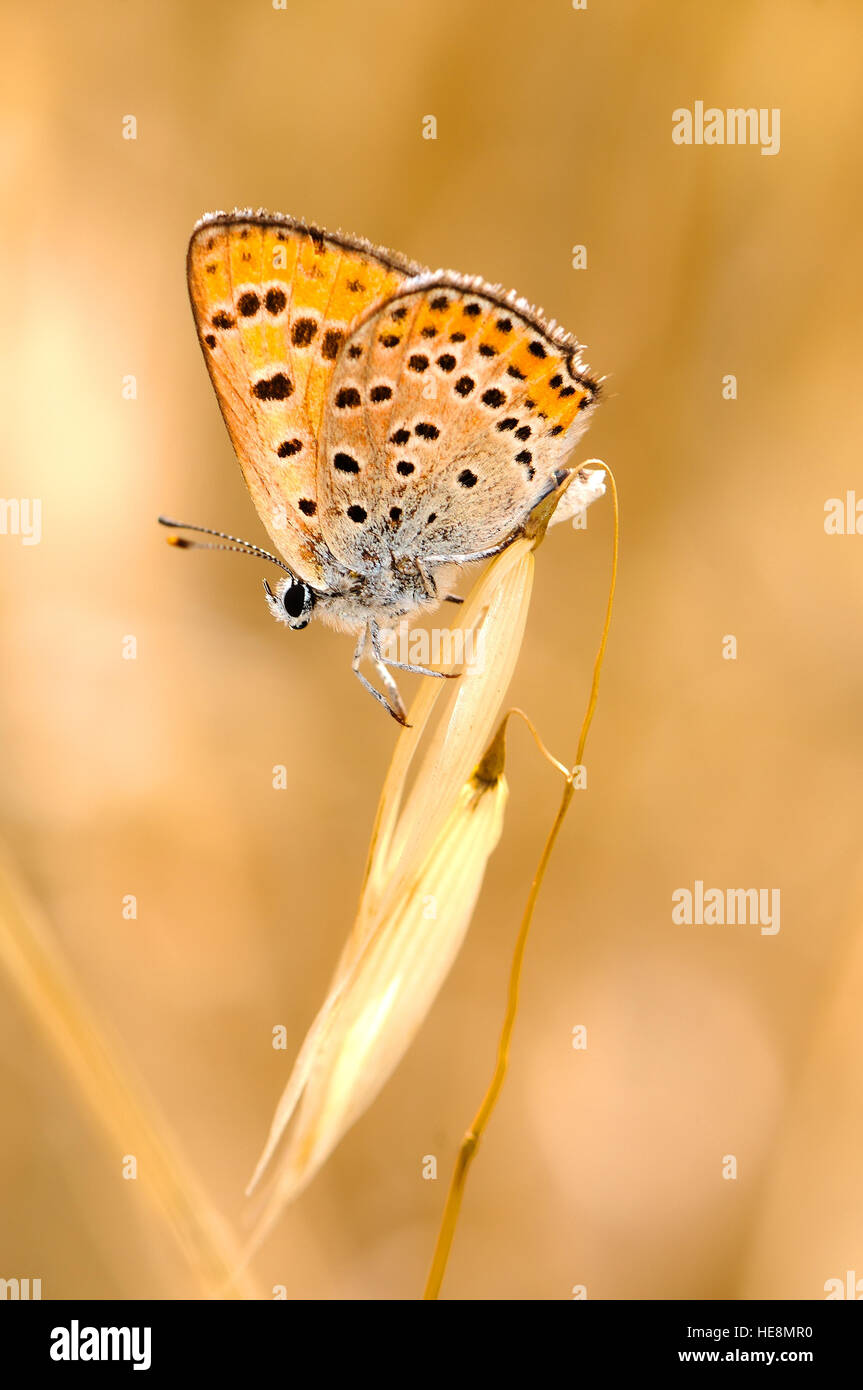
{"x": 428, "y": 579}
{"x": 393, "y": 689}
{"x": 396, "y": 709}
{"x": 384, "y": 661}
{"x": 430, "y": 583}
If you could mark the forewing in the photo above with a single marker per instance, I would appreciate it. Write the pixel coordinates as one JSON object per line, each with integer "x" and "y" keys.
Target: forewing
{"x": 273, "y": 301}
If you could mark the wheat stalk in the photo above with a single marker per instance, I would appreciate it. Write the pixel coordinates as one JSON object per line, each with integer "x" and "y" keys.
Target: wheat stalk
{"x": 116, "y": 1098}
{"x": 439, "y": 818}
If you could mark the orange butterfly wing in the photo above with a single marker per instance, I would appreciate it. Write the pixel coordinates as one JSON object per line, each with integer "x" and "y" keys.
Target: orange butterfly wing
{"x": 274, "y": 300}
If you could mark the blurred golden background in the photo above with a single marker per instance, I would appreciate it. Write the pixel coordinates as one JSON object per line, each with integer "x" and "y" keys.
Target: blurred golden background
{"x": 153, "y": 776}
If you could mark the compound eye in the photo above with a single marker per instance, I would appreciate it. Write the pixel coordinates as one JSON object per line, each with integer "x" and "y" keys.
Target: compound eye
{"x": 294, "y": 599}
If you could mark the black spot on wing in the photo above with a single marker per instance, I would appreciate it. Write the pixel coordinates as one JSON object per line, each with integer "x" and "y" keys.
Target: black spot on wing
{"x": 275, "y": 301}
{"x": 274, "y": 388}
{"x": 332, "y": 341}
{"x": 303, "y": 331}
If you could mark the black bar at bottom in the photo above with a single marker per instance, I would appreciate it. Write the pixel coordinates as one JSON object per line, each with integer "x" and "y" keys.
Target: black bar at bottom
{"x": 66, "y": 1338}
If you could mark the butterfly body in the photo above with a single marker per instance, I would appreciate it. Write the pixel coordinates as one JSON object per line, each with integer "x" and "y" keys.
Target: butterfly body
{"x": 391, "y": 422}
{"x": 348, "y": 601}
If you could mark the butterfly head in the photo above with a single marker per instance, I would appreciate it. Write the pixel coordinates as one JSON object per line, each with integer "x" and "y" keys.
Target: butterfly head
{"x": 291, "y": 603}
{"x": 293, "y": 599}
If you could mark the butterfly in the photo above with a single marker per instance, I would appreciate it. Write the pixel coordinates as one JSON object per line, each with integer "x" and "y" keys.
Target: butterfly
{"x": 391, "y": 422}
